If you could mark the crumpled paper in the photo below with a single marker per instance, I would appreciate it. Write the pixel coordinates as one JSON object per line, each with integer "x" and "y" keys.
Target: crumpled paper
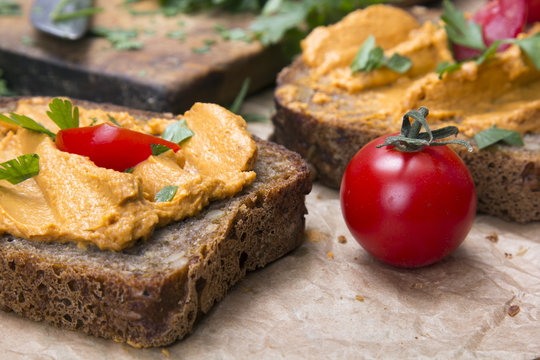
{"x": 330, "y": 299}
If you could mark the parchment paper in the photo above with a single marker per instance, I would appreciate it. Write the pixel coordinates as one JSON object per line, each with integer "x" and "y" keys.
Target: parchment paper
{"x": 330, "y": 300}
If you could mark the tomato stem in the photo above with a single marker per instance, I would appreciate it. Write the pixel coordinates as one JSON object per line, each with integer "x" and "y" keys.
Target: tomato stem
{"x": 411, "y": 139}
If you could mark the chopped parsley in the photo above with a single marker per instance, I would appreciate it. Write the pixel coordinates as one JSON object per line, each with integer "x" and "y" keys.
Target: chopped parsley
{"x": 205, "y": 48}
{"x": 9, "y": 8}
{"x": 177, "y": 132}
{"x": 158, "y": 149}
{"x": 166, "y": 194}
{"x": 371, "y": 57}
{"x": 120, "y": 39}
{"x": 494, "y": 135}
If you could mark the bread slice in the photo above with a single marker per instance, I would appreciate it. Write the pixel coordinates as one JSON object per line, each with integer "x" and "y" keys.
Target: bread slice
{"x": 153, "y": 293}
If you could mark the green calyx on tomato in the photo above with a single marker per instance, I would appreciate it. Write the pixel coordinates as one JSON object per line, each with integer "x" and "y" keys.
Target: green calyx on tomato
{"x": 412, "y": 140}
{"x": 408, "y": 208}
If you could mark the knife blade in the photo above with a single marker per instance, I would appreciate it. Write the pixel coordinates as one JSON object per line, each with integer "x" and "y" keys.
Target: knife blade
{"x": 42, "y": 17}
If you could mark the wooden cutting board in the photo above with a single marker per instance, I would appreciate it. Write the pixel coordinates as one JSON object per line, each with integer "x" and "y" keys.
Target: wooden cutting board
{"x": 167, "y": 74}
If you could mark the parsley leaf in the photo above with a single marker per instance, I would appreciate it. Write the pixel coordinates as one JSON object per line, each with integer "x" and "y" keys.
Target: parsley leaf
{"x": 459, "y": 30}
{"x": 177, "y": 34}
{"x": 489, "y": 52}
{"x": 63, "y": 113}
{"x": 158, "y": 149}
{"x": 27, "y": 123}
{"x": 446, "y": 67}
{"x": 177, "y": 132}
{"x": 494, "y": 135}
{"x": 22, "y": 168}
{"x": 531, "y": 47}
{"x": 370, "y": 57}
{"x": 166, "y": 194}
{"x": 113, "y": 120}
{"x": 129, "y": 170}
{"x": 398, "y": 63}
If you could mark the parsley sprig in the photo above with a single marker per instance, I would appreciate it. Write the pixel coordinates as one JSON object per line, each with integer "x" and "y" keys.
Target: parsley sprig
{"x": 371, "y": 57}
{"x": 459, "y": 30}
{"x": 61, "y": 112}
{"x": 22, "y": 168}
{"x": 468, "y": 33}
{"x": 27, "y": 123}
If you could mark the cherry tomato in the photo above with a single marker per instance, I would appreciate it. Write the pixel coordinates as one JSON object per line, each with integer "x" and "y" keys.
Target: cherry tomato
{"x": 110, "y": 146}
{"x": 533, "y": 10}
{"x": 408, "y": 209}
{"x": 500, "y": 19}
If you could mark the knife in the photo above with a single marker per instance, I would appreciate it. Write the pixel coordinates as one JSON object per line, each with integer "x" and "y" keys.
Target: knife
{"x": 67, "y": 19}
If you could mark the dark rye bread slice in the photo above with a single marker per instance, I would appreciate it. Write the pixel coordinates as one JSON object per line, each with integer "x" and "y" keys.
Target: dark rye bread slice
{"x": 328, "y": 135}
{"x": 153, "y": 293}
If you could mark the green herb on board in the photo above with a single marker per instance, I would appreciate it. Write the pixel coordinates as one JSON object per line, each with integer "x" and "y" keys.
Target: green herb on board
{"x": 27, "y": 40}
{"x": 235, "y": 34}
{"x": 205, "y": 48}
{"x": 120, "y": 39}
{"x": 177, "y": 34}
{"x": 9, "y": 8}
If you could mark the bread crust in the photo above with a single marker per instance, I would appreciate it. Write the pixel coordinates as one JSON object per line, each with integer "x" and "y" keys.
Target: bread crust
{"x": 153, "y": 293}
{"x": 507, "y": 178}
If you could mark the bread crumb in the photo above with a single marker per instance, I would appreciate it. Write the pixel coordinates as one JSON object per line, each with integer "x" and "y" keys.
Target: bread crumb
{"x": 417, "y": 286}
{"x": 513, "y": 310}
{"x": 330, "y": 255}
{"x": 166, "y": 353}
{"x": 320, "y": 98}
{"x": 493, "y": 237}
{"x": 508, "y": 255}
{"x": 360, "y": 298}
{"x": 314, "y": 235}
{"x": 319, "y": 196}
{"x": 522, "y": 251}
{"x": 342, "y": 239}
